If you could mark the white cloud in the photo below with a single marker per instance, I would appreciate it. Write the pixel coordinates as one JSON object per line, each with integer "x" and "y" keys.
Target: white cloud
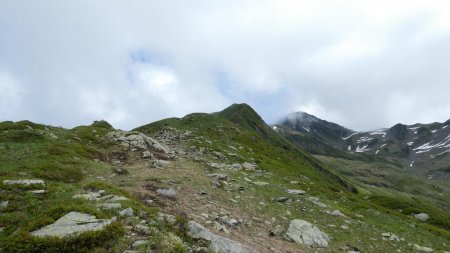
{"x": 347, "y": 58}
{"x": 11, "y": 94}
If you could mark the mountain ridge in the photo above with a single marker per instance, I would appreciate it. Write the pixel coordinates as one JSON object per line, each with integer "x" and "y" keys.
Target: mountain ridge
{"x": 401, "y": 144}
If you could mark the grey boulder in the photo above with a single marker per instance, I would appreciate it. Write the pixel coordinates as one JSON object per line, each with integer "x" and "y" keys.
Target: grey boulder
{"x": 303, "y": 232}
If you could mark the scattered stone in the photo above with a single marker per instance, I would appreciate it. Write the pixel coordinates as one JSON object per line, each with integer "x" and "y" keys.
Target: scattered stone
{"x": 303, "y": 232}
{"x": 142, "y": 229}
{"x": 110, "y": 206}
{"x": 278, "y": 230}
{"x": 221, "y": 227}
{"x": 390, "y": 237}
{"x": 162, "y": 163}
{"x": 344, "y": 227}
{"x": 218, "y": 154}
{"x": 3, "y": 204}
{"x": 234, "y": 167}
{"x": 71, "y": 223}
{"x": 116, "y": 198}
{"x": 25, "y": 182}
{"x": 88, "y": 196}
{"x": 337, "y": 213}
{"x": 232, "y": 222}
{"x": 120, "y": 171}
{"x": 128, "y": 212}
{"x": 138, "y": 244}
{"x": 258, "y": 183}
{"x": 295, "y": 192}
{"x": 217, "y": 243}
{"x": 219, "y": 176}
{"x": 281, "y": 199}
{"x": 167, "y": 192}
{"x": 167, "y": 218}
{"x": 422, "y": 216}
{"x": 147, "y": 154}
{"x": 317, "y": 202}
{"x": 249, "y": 166}
{"x": 419, "y": 248}
{"x": 38, "y": 191}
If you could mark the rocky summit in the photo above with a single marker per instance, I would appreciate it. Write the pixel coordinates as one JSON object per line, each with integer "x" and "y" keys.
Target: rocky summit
{"x": 224, "y": 182}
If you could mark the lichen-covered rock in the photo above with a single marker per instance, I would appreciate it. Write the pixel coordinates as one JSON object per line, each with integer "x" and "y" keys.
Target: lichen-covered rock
{"x": 303, "y": 232}
{"x": 72, "y": 223}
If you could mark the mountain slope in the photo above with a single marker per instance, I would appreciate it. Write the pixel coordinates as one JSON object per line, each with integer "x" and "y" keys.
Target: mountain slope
{"x": 247, "y": 126}
{"x": 168, "y": 184}
{"x": 326, "y": 132}
{"x": 424, "y": 148}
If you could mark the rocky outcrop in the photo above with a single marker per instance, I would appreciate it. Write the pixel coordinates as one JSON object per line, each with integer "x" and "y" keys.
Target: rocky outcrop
{"x": 72, "y": 223}
{"x": 139, "y": 141}
{"x": 218, "y": 243}
{"x": 303, "y": 232}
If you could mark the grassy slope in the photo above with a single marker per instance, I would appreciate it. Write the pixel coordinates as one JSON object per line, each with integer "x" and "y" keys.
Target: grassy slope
{"x": 288, "y": 163}
{"x": 68, "y": 165}
{"x": 69, "y": 161}
{"x": 394, "y": 189}
{"x": 281, "y": 158}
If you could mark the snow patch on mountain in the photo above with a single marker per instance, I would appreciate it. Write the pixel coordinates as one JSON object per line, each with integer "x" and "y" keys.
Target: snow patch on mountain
{"x": 364, "y": 139}
{"x": 428, "y": 146}
{"x": 345, "y": 138}
{"x": 362, "y": 149}
{"x": 379, "y": 133}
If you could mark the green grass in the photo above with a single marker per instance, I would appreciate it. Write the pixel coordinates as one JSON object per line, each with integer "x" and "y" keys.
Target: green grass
{"x": 67, "y": 160}
{"x": 335, "y": 181}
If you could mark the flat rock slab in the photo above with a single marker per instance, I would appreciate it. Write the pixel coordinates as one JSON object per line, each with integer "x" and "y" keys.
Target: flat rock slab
{"x": 303, "y": 232}
{"x": 72, "y": 223}
{"x": 295, "y": 192}
{"x": 218, "y": 243}
{"x": 25, "y": 182}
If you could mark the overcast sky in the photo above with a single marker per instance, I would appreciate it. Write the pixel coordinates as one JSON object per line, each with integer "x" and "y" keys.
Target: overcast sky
{"x": 362, "y": 64}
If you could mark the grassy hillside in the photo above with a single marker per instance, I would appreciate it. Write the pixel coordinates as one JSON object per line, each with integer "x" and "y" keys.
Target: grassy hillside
{"x": 352, "y": 201}
{"x": 70, "y": 161}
